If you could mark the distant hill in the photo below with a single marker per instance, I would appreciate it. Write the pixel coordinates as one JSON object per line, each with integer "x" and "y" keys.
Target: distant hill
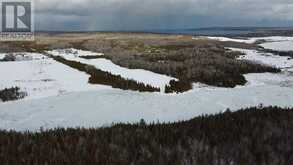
{"x": 205, "y": 31}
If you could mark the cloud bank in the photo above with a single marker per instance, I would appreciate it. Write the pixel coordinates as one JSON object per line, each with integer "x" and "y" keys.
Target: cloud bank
{"x": 159, "y": 14}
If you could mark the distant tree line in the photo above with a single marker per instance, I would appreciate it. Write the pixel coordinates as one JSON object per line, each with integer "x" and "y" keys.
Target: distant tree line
{"x": 252, "y": 136}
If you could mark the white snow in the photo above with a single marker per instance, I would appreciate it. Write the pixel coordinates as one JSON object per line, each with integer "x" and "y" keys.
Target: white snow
{"x": 279, "y": 46}
{"x": 265, "y": 58}
{"x": 279, "y": 43}
{"x": 248, "y": 41}
{"x": 283, "y": 79}
{"x": 140, "y": 75}
{"x": 272, "y": 39}
{"x": 95, "y": 109}
{"x": 2, "y": 55}
{"x": 43, "y": 77}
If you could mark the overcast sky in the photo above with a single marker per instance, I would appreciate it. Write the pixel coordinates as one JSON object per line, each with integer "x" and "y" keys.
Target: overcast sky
{"x": 159, "y": 14}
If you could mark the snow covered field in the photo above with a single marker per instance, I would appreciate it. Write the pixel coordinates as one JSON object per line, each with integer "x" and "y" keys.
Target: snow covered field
{"x": 95, "y": 109}
{"x": 42, "y": 77}
{"x": 280, "y": 46}
{"x": 140, "y": 75}
{"x": 278, "y": 43}
{"x": 280, "y": 62}
{"x": 250, "y": 40}
{"x": 87, "y": 105}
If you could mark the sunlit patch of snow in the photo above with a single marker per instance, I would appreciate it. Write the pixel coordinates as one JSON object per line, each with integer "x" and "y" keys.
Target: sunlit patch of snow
{"x": 248, "y": 41}
{"x": 140, "y": 75}
{"x": 43, "y": 77}
{"x": 265, "y": 58}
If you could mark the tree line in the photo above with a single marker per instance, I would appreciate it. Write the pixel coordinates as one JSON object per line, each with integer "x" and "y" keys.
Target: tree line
{"x": 254, "y": 136}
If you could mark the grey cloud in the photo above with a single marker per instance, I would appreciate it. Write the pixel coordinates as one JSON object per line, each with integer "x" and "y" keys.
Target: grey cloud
{"x": 158, "y": 14}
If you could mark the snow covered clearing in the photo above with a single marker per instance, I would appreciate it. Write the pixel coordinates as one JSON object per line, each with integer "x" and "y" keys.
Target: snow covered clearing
{"x": 285, "y": 78}
{"x": 280, "y": 62}
{"x": 43, "y": 77}
{"x": 95, "y": 109}
{"x": 140, "y": 75}
{"x": 279, "y": 46}
{"x": 278, "y": 43}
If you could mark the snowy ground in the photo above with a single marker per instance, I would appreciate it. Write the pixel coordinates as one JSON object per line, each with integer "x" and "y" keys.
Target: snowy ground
{"x": 280, "y": 46}
{"x": 42, "y": 77}
{"x": 140, "y": 75}
{"x": 95, "y": 109}
{"x": 250, "y": 40}
{"x": 88, "y": 107}
{"x": 280, "y": 62}
{"x": 283, "y": 79}
{"x": 278, "y": 43}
